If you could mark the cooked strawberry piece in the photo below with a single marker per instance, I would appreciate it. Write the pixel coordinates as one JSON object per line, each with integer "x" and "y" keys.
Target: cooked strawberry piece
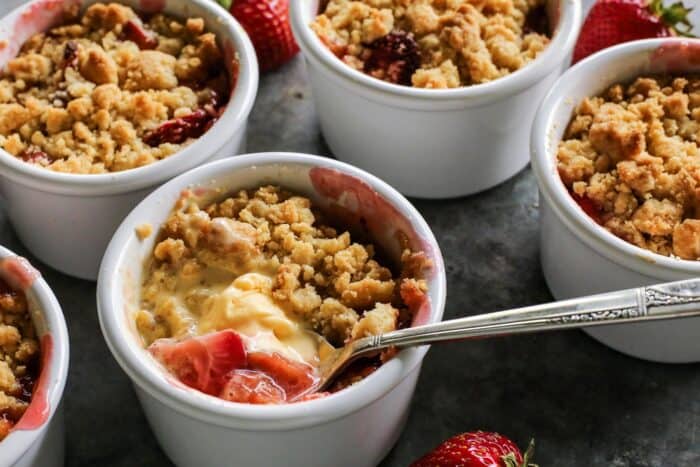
{"x": 135, "y": 32}
{"x": 588, "y": 207}
{"x": 476, "y": 449}
{"x": 179, "y": 130}
{"x": 70, "y": 54}
{"x": 202, "y": 362}
{"x": 294, "y": 377}
{"x": 537, "y": 21}
{"x": 396, "y": 55}
{"x": 252, "y": 387}
{"x": 35, "y": 156}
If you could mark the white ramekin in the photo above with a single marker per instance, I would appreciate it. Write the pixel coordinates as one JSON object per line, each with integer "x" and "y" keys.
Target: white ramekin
{"x": 66, "y": 220}
{"x": 432, "y": 143}
{"x": 580, "y": 257}
{"x": 39, "y": 441}
{"x": 355, "y": 427}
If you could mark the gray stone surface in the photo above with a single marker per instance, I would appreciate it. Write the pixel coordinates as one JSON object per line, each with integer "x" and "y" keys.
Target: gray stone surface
{"x": 586, "y": 405}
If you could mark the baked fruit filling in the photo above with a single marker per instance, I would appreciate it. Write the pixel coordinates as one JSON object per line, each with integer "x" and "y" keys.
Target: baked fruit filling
{"x": 19, "y": 357}
{"x": 434, "y": 43}
{"x": 111, "y": 90}
{"x": 241, "y": 297}
{"x": 630, "y": 157}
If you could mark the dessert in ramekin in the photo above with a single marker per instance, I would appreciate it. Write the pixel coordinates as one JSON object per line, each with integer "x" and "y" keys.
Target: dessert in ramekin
{"x": 243, "y": 295}
{"x": 369, "y": 413}
{"x": 432, "y": 44}
{"x": 99, "y": 110}
{"x": 434, "y": 143}
{"x": 33, "y": 367}
{"x": 614, "y": 174}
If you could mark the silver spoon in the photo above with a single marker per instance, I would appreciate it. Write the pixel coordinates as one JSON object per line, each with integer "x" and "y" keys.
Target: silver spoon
{"x": 662, "y": 301}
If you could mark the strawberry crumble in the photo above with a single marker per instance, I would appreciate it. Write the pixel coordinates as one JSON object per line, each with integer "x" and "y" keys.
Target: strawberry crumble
{"x": 630, "y": 157}
{"x": 110, "y": 91}
{"x": 434, "y": 43}
{"x": 19, "y": 357}
{"x": 241, "y": 297}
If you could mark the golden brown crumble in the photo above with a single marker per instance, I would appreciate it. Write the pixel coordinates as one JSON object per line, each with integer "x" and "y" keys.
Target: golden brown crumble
{"x": 19, "y": 355}
{"x": 102, "y": 93}
{"x": 632, "y": 153}
{"x": 459, "y": 42}
{"x": 274, "y": 242}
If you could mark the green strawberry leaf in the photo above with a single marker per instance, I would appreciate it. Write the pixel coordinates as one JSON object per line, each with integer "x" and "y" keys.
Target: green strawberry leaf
{"x": 225, "y": 3}
{"x": 675, "y": 16}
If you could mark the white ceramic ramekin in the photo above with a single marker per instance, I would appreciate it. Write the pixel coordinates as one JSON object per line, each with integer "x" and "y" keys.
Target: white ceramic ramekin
{"x": 355, "y": 427}
{"x": 37, "y": 440}
{"x": 432, "y": 143}
{"x": 580, "y": 257}
{"x": 66, "y": 220}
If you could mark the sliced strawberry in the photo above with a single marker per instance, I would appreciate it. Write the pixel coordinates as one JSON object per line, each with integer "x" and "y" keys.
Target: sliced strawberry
{"x": 202, "y": 362}
{"x": 294, "y": 377}
{"x": 612, "y": 22}
{"x": 252, "y": 387}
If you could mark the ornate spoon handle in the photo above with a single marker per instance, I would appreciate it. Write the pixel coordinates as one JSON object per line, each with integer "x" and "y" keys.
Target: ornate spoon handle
{"x": 663, "y": 301}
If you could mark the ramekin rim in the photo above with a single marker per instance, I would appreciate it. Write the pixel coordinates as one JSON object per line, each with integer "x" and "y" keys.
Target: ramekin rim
{"x": 228, "y": 413}
{"x": 555, "y": 53}
{"x": 235, "y": 116}
{"x": 20, "y": 440}
{"x": 562, "y": 203}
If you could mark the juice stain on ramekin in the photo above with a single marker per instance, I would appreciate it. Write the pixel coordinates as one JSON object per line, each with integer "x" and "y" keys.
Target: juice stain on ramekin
{"x": 676, "y": 56}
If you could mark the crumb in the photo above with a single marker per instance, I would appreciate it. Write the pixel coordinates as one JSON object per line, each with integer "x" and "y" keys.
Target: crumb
{"x": 144, "y": 231}
{"x": 105, "y": 92}
{"x": 633, "y": 153}
{"x": 19, "y": 356}
{"x": 456, "y": 43}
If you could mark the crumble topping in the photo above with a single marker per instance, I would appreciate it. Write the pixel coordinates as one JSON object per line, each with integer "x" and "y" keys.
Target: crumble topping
{"x": 269, "y": 252}
{"x": 631, "y": 155}
{"x": 19, "y": 357}
{"x": 111, "y": 91}
{"x": 434, "y": 43}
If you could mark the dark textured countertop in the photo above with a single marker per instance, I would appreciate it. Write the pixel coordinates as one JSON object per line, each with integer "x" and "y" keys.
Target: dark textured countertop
{"x": 586, "y": 405}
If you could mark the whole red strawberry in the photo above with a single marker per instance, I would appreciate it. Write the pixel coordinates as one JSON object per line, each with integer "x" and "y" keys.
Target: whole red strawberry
{"x": 612, "y": 22}
{"x": 267, "y": 24}
{"x": 476, "y": 449}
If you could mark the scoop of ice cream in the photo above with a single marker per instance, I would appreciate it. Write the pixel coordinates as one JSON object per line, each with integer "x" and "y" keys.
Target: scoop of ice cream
{"x": 247, "y": 307}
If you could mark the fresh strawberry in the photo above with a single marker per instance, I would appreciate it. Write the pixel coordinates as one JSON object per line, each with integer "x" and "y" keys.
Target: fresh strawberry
{"x": 202, "y": 362}
{"x": 612, "y": 22}
{"x": 252, "y": 387}
{"x": 477, "y": 449}
{"x": 267, "y": 24}
{"x": 294, "y": 377}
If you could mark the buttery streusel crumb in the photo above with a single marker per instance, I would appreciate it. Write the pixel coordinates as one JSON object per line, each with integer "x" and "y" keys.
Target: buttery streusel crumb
{"x": 434, "y": 43}
{"x": 633, "y": 152}
{"x": 317, "y": 274}
{"x": 19, "y": 354}
{"x": 110, "y": 91}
